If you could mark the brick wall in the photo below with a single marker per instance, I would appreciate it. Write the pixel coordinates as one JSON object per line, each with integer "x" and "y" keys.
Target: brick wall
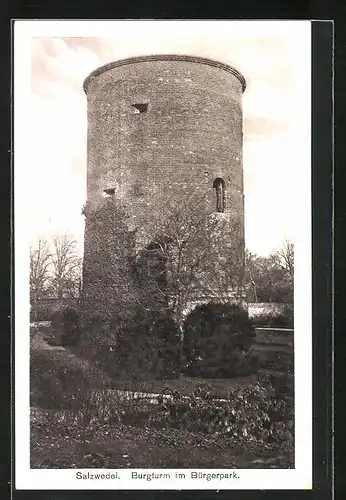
{"x": 190, "y": 135}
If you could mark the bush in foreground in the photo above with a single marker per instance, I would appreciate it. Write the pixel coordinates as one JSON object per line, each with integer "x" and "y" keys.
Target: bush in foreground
{"x": 66, "y": 323}
{"x": 144, "y": 349}
{"x": 217, "y": 342}
{"x": 148, "y": 349}
{"x": 58, "y": 383}
{"x": 258, "y": 414}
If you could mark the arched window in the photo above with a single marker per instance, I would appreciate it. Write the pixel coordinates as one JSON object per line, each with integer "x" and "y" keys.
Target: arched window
{"x": 220, "y": 188}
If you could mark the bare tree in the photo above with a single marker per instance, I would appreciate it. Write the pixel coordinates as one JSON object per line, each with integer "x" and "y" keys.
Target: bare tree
{"x": 251, "y": 274}
{"x": 40, "y": 260}
{"x": 66, "y": 267}
{"x": 285, "y": 256}
{"x": 192, "y": 256}
{"x": 270, "y": 279}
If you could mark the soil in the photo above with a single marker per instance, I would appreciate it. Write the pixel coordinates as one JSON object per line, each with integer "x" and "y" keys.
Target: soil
{"x": 124, "y": 446}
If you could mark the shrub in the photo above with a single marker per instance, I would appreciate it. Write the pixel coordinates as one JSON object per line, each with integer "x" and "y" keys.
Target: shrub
{"x": 55, "y": 382}
{"x": 282, "y": 319}
{"x": 283, "y": 385}
{"x": 67, "y": 321}
{"x": 217, "y": 342}
{"x": 57, "y": 319}
{"x": 256, "y": 415}
{"x": 40, "y": 313}
{"x": 70, "y": 335}
{"x": 148, "y": 348}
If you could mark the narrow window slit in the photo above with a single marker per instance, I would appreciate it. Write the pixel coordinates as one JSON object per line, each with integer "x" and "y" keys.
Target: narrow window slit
{"x": 220, "y": 188}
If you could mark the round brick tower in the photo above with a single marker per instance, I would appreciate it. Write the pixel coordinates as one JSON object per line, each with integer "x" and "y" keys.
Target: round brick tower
{"x": 166, "y": 126}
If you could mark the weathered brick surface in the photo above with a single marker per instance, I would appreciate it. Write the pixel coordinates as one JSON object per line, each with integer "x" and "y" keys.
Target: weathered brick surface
{"x": 190, "y": 135}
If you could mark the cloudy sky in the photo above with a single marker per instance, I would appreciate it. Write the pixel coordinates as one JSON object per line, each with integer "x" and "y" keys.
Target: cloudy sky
{"x": 273, "y": 57}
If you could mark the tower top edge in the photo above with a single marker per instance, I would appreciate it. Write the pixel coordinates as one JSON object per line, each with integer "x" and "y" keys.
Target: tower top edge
{"x": 164, "y": 57}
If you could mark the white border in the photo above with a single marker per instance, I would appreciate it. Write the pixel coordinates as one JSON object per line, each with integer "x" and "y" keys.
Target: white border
{"x": 26, "y": 478}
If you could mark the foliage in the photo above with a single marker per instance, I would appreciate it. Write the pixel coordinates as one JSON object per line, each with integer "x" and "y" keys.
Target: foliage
{"x": 126, "y": 338}
{"x": 67, "y": 321}
{"x": 123, "y": 286}
{"x": 190, "y": 254}
{"x": 40, "y": 258}
{"x": 217, "y": 338}
{"x": 148, "y": 349}
{"x": 40, "y": 312}
{"x": 81, "y": 404}
{"x": 270, "y": 279}
{"x": 260, "y": 415}
{"x": 55, "y": 273}
{"x": 109, "y": 295}
{"x": 55, "y": 383}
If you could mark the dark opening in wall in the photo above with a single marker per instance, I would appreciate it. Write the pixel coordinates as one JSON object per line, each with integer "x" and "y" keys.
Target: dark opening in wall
{"x": 109, "y": 191}
{"x": 140, "y": 107}
{"x": 220, "y": 188}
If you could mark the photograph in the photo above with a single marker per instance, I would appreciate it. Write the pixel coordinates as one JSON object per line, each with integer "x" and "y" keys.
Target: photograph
{"x": 163, "y": 256}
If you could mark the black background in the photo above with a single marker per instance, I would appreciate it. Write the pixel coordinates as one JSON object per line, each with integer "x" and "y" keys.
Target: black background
{"x": 323, "y": 215}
